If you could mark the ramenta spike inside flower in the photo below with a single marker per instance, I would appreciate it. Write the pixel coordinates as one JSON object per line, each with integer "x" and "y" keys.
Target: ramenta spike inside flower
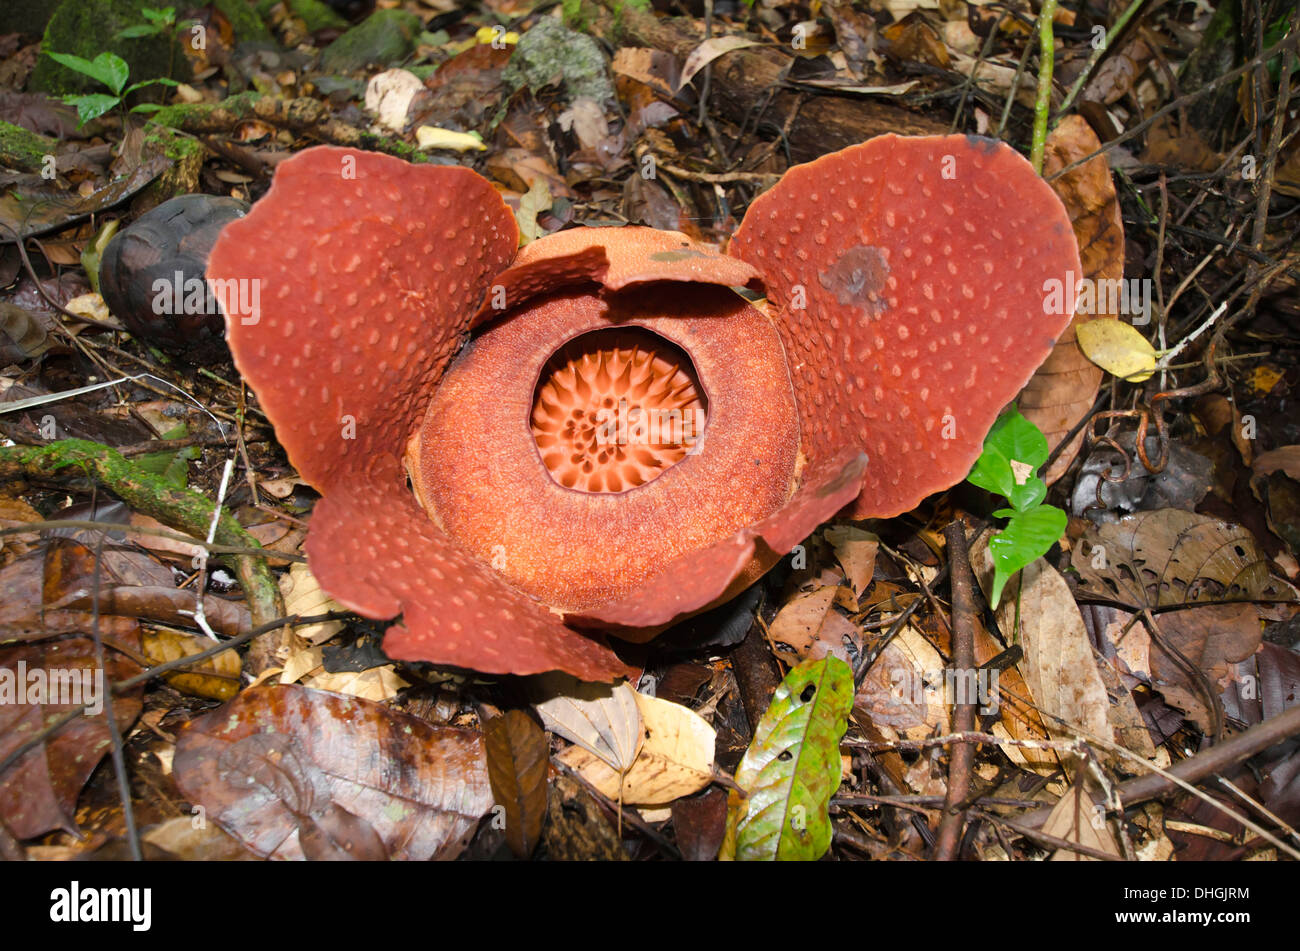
{"x": 626, "y": 440}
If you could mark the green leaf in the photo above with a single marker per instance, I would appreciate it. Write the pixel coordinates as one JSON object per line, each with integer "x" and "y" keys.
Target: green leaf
{"x": 1012, "y": 439}
{"x": 111, "y": 70}
{"x": 792, "y": 767}
{"x": 148, "y": 107}
{"x": 91, "y": 106}
{"x": 108, "y": 68}
{"x": 161, "y": 17}
{"x": 172, "y": 466}
{"x": 1027, "y": 536}
{"x": 138, "y": 31}
{"x": 149, "y": 82}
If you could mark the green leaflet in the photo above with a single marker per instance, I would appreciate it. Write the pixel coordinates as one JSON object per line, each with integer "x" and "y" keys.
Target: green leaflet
{"x": 1013, "y": 450}
{"x": 1027, "y": 537}
{"x": 793, "y": 766}
{"x": 1012, "y": 438}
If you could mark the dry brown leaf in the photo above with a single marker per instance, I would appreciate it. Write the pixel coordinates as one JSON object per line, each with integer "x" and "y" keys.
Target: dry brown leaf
{"x": 676, "y": 758}
{"x": 799, "y": 620}
{"x": 707, "y": 52}
{"x": 855, "y": 550}
{"x": 13, "y": 513}
{"x": 1064, "y": 388}
{"x": 1076, "y": 818}
{"x": 518, "y": 760}
{"x": 1169, "y": 556}
{"x": 293, "y": 773}
{"x": 903, "y": 692}
{"x": 1017, "y": 718}
{"x": 1058, "y": 664}
{"x": 1285, "y": 458}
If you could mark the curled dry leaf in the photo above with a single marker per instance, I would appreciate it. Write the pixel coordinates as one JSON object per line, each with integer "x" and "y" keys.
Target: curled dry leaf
{"x": 518, "y": 758}
{"x": 601, "y": 719}
{"x": 707, "y": 52}
{"x": 1066, "y": 385}
{"x": 855, "y": 549}
{"x": 676, "y": 758}
{"x": 293, "y": 772}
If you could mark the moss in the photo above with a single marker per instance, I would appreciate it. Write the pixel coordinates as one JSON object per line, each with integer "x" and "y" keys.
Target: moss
{"x": 382, "y": 39}
{"x": 182, "y": 178}
{"x": 23, "y": 150}
{"x": 551, "y": 49}
{"x": 245, "y": 21}
{"x": 314, "y": 14}
{"x": 87, "y": 28}
{"x": 184, "y": 116}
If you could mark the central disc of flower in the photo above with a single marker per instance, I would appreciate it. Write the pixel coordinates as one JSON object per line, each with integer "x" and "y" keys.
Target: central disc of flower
{"x": 566, "y": 446}
{"x": 615, "y": 408}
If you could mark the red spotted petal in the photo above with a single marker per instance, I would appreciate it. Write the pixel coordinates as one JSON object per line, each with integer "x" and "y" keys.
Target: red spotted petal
{"x": 912, "y": 276}
{"x": 374, "y": 551}
{"x": 367, "y": 271}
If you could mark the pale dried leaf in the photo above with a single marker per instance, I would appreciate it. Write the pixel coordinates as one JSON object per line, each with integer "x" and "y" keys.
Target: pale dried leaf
{"x": 676, "y": 758}
{"x": 1076, "y": 818}
{"x": 303, "y": 595}
{"x": 602, "y": 719}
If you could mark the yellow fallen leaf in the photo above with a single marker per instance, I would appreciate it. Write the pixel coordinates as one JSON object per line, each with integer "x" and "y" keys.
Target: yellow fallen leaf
{"x": 216, "y": 678}
{"x": 303, "y": 595}
{"x": 377, "y": 683}
{"x": 1118, "y": 348}
{"x": 93, "y": 307}
{"x": 675, "y": 760}
{"x": 486, "y": 34}
{"x": 431, "y": 137}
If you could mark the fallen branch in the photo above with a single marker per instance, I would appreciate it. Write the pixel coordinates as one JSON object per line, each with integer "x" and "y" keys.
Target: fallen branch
{"x": 181, "y": 509}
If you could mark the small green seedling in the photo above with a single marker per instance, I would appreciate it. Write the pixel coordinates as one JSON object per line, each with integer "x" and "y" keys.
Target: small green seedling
{"x": 111, "y": 70}
{"x": 1008, "y": 466}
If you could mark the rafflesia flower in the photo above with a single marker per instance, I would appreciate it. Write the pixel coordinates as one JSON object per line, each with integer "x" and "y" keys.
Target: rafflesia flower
{"x": 601, "y": 435}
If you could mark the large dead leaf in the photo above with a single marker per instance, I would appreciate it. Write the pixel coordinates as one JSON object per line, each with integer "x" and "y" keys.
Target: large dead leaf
{"x": 1038, "y": 612}
{"x": 675, "y": 760}
{"x": 1172, "y": 557}
{"x": 1169, "y": 556}
{"x": 1017, "y": 718}
{"x": 1066, "y": 385}
{"x": 38, "y": 684}
{"x": 297, "y": 773}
